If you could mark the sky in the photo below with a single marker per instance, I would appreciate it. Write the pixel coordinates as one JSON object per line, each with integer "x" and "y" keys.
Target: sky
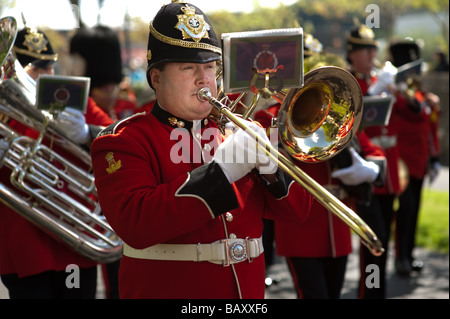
{"x": 59, "y": 15}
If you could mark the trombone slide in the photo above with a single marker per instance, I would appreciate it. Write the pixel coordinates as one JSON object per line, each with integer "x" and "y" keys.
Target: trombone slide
{"x": 324, "y": 197}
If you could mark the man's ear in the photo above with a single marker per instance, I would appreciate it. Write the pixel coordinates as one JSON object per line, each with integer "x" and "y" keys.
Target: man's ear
{"x": 154, "y": 77}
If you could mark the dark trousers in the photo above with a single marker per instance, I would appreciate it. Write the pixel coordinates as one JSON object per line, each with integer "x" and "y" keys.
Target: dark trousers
{"x": 111, "y": 279}
{"x": 51, "y": 285}
{"x": 378, "y": 216}
{"x": 268, "y": 241}
{"x": 318, "y": 278}
{"x": 406, "y": 219}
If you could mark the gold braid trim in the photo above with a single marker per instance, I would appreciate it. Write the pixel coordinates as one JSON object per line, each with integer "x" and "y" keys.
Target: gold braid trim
{"x": 52, "y": 57}
{"x": 182, "y": 43}
{"x": 362, "y": 41}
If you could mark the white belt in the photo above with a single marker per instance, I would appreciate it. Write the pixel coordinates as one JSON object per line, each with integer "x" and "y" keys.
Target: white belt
{"x": 225, "y": 252}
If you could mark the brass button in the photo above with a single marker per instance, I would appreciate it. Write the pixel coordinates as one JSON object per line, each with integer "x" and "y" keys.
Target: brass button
{"x": 232, "y": 236}
{"x": 207, "y": 148}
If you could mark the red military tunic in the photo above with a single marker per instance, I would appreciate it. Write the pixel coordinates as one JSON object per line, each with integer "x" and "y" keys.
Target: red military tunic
{"x": 417, "y": 140}
{"x": 386, "y": 138}
{"x": 25, "y": 249}
{"x": 159, "y": 190}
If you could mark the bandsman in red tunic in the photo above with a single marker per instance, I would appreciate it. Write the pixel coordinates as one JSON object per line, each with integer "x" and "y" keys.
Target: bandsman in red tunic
{"x": 362, "y": 49}
{"x": 188, "y": 206}
{"x": 418, "y": 143}
{"x": 316, "y": 250}
{"x": 32, "y": 263}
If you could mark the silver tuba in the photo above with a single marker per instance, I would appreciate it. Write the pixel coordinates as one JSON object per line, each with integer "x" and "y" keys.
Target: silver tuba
{"x": 57, "y": 195}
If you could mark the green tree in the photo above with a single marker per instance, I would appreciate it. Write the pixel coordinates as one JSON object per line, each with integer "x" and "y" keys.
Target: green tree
{"x": 389, "y": 11}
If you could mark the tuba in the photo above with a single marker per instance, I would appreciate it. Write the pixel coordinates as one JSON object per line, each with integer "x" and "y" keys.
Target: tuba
{"x": 315, "y": 123}
{"x": 56, "y": 194}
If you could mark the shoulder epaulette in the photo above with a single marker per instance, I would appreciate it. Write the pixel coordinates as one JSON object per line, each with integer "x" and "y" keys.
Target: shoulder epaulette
{"x": 111, "y": 129}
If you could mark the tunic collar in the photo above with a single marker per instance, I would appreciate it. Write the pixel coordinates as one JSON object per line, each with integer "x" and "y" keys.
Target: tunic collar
{"x": 176, "y": 122}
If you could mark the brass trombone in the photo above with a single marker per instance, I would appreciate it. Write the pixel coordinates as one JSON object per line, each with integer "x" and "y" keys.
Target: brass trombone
{"x": 315, "y": 123}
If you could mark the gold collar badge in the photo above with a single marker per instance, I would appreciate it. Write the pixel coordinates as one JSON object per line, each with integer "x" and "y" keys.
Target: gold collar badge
{"x": 113, "y": 165}
{"x": 35, "y": 41}
{"x": 174, "y": 121}
{"x": 192, "y": 25}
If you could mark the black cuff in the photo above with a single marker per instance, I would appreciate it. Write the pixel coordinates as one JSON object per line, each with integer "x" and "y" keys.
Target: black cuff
{"x": 210, "y": 184}
{"x": 94, "y": 130}
{"x": 280, "y": 188}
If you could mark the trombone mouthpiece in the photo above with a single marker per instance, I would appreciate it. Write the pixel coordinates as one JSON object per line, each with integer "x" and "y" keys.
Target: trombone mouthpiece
{"x": 203, "y": 93}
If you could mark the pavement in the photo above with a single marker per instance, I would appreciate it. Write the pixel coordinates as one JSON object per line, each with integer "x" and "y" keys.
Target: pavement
{"x": 431, "y": 283}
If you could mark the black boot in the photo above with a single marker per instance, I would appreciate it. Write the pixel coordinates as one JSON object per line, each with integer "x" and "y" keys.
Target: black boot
{"x": 417, "y": 265}
{"x": 403, "y": 267}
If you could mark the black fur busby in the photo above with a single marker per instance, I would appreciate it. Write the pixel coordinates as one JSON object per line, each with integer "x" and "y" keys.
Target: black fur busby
{"x": 181, "y": 32}
{"x": 403, "y": 52}
{"x": 33, "y": 47}
{"x": 99, "y": 46}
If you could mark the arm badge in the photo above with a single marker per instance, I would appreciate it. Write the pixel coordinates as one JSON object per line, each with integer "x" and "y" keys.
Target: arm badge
{"x": 113, "y": 165}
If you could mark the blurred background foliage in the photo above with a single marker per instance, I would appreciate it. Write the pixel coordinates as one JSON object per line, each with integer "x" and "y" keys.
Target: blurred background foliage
{"x": 328, "y": 20}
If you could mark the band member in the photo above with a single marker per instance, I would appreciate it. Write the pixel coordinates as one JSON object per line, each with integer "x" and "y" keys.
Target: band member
{"x": 188, "y": 206}
{"x": 418, "y": 142}
{"x": 97, "y": 53}
{"x": 316, "y": 250}
{"x": 362, "y": 50}
{"x": 32, "y": 263}
{"x": 36, "y": 55}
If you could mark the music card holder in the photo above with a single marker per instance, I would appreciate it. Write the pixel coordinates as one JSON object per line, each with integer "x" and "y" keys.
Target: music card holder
{"x": 56, "y": 92}
{"x": 257, "y": 57}
{"x": 407, "y": 70}
{"x": 377, "y": 110}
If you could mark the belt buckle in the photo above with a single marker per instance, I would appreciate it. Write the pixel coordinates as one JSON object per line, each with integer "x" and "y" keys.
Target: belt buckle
{"x": 238, "y": 251}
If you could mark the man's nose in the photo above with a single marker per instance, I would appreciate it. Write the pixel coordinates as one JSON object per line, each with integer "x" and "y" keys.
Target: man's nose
{"x": 202, "y": 75}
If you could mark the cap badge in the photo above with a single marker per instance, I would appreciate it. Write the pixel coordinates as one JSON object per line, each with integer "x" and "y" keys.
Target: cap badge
{"x": 35, "y": 41}
{"x": 192, "y": 25}
{"x": 113, "y": 165}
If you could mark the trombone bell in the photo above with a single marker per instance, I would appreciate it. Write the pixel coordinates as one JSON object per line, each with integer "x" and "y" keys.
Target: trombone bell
{"x": 317, "y": 121}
